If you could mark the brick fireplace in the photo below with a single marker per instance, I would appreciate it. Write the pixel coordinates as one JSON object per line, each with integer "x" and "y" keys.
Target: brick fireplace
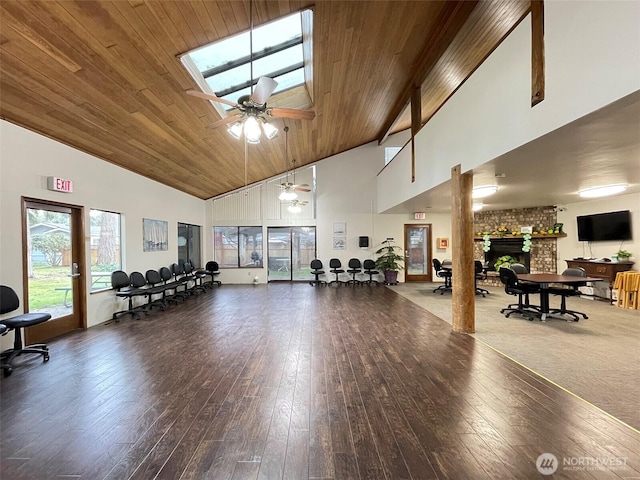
{"x": 543, "y": 254}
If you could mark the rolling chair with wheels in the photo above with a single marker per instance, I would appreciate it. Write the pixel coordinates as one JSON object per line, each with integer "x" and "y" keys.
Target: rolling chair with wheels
{"x": 480, "y": 274}
{"x": 9, "y": 302}
{"x": 370, "y": 269}
{"x": 355, "y": 267}
{"x": 519, "y": 268}
{"x": 442, "y": 273}
{"x": 335, "y": 266}
{"x": 212, "y": 268}
{"x": 512, "y": 287}
{"x": 571, "y": 291}
{"x": 316, "y": 271}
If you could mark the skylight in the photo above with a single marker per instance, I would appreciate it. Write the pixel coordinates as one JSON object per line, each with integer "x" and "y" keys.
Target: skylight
{"x": 277, "y": 53}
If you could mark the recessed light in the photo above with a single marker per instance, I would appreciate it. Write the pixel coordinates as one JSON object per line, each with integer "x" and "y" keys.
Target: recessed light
{"x": 602, "y": 191}
{"x": 484, "y": 191}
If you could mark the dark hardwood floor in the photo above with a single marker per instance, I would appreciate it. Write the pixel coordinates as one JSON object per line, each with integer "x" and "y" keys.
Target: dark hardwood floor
{"x": 294, "y": 382}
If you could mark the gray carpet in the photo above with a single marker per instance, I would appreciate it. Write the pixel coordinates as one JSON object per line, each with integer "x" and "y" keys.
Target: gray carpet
{"x": 596, "y": 359}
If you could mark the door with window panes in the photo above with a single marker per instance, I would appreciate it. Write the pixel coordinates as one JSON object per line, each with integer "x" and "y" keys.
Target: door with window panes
{"x": 290, "y": 251}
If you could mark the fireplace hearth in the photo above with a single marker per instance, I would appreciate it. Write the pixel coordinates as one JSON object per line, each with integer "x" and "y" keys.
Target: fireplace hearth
{"x": 507, "y": 246}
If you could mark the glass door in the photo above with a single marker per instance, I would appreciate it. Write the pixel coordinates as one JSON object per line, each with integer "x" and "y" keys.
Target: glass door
{"x": 189, "y": 244}
{"x": 290, "y": 251}
{"x": 417, "y": 241}
{"x": 54, "y": 269}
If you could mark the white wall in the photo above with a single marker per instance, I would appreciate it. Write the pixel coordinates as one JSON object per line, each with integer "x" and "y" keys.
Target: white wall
{"x": 27, "y": 159}
{"x": 569, "y": 247}
{"x": 591, "y": 51}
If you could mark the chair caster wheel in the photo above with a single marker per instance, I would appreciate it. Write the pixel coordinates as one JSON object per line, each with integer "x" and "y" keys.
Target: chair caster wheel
{"x": 46, "y": 358}
{"x": 7, "y": 371}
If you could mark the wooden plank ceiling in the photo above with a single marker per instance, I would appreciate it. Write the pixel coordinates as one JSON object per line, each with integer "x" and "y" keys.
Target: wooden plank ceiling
{"x": 105, "y": 78}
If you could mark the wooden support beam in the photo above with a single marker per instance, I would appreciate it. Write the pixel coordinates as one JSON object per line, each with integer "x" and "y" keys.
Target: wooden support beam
{"x": 416, "y": 124}
{"x": 464, "y": 292}
{"x": 537, "y": 52}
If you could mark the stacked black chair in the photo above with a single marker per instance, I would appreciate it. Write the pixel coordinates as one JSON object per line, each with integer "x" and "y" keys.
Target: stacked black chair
{"x": 316, "y": 271}
{"x": 512, "y": 287}
{"x": 191, "y": 276}
{"x": 127, "y": 288}
{"x": 442, "y": 273}
{"x": 354, "y": 268}
{"x": 480, "y": 274}
{"x": 335, "y": 267}
{"x": 177, "y": 269}
{"x": 571, "y": 291}
{"x": 9, "y": 302}
{"x": 370, "y": 269}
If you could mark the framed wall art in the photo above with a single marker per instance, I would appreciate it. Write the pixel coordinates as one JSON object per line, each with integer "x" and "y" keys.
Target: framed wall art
{"x": 155, "y": 235}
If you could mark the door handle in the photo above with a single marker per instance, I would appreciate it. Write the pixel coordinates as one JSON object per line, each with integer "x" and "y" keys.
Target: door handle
{"x": 75, "y": 271}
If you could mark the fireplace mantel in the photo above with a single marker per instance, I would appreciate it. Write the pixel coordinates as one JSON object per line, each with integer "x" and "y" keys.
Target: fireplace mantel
{"x": 538, "y": 235}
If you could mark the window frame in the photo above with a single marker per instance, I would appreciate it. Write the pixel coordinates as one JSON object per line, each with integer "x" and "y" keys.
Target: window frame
{"x": 259, "y": 247}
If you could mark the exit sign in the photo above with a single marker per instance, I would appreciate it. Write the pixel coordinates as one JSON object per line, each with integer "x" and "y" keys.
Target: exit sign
{"x": 59, "y": 184}
{"x": 419, "y": 216}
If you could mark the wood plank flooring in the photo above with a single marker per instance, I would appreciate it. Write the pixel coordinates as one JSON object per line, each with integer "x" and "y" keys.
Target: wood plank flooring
{"x": 287, "y": 381}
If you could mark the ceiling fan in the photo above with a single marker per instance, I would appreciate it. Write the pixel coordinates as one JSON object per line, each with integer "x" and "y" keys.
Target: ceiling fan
{"x": 294, "y": 206}
{"x": 255, "y": 106}
{"x": 288, "y": 188}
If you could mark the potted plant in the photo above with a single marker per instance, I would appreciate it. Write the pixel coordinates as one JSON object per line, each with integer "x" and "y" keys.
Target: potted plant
{"x": 389, "y": 261}
{"x": 624, "y": 255}
{"x": 504, "y": 261}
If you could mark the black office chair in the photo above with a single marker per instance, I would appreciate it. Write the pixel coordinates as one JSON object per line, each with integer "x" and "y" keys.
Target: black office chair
{"x": 124, "y": 287}
{"x": 212, "y": 268}
{"x": 354, "y": 267}
{"x": 9, "y": 302}
{"x": 156, "y": 287}
{"x": 480, "y": 274}
{"x": 316, "y": 271}
{"x": 335, "y": 266}
{"x": 370, "y": 269}
{"x": 519, "y": 268}
{"x": 171, "y": 286}
{"x": 570, "y": 291}
{"x": 442, "y": 273}
{"x": 191, "y": 276}
{"x": 512, "y": 287}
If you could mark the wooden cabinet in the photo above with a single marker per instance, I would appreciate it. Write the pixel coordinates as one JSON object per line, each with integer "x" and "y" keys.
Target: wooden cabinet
{"x": 605, "y": 270}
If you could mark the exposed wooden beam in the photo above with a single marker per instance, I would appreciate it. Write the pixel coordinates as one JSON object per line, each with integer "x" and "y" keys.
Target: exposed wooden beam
{"x": 463, "y": 292}
{"x": 452, "y": 18}
{"x": 416, "y": 124}
{"x": 537, "y": 52}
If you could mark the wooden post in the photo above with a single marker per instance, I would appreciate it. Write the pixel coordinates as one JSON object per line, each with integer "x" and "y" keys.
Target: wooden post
{"x": 464, "y": 292}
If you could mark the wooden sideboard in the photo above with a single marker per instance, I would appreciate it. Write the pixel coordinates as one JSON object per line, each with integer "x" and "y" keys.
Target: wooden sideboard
{"x": 605, "y": 270}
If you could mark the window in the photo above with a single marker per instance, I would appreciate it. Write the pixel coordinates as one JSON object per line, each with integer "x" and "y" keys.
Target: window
{"x": 225, "y": 66}
{"x": 189, "y": 244}
{"x": 390, "y": 153}
{"x": 237, "y": 247}
{"x": 106, "y": 256}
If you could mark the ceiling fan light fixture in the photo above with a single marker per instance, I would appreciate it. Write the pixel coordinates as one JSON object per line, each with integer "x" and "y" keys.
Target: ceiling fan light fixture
{"x": 484, "y": 191}
{"x": 602, "y": 191}
{"x": 235, "y": 130}
{"x": 270, "y": 131}
{"x": 288, "y": 195}
{"x": 252, "y": 130}
{"x": 294, "y": 209}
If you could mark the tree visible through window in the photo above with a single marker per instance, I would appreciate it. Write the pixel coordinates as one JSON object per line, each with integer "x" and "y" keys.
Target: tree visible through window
{"x": 105, "y": 247}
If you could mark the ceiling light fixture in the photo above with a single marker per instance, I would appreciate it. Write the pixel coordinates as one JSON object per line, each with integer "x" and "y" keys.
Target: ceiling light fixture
{"x": 484, "y": 191}
{"x": 602, "y": 191}
{"x": 294, "y": 208}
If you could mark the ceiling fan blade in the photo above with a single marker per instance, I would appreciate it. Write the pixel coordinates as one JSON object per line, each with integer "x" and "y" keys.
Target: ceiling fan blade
{"x": 302, "y": 189}
{"x": 280, "y": 112}
{"x": 224, "y": 121}
{"x": 264, "y": 89}
{"x": 208, "y": 96}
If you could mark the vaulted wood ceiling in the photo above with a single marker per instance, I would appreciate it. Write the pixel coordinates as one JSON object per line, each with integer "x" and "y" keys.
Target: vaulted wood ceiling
{"x": 105, "y": 78}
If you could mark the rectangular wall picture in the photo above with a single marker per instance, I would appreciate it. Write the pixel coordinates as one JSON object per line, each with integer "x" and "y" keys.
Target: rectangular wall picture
{"x": 443, "y": 242}
{"x": 339, "y": 228}
{"x": 155, "y": 235}
{"x": 339, "y": 243}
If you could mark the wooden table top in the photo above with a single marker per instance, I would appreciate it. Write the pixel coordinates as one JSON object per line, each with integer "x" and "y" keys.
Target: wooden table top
{"x": 555, "y": 278}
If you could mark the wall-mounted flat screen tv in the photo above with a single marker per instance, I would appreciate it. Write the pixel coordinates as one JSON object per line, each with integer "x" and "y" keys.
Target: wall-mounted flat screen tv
{"x": 605, "y": 226}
